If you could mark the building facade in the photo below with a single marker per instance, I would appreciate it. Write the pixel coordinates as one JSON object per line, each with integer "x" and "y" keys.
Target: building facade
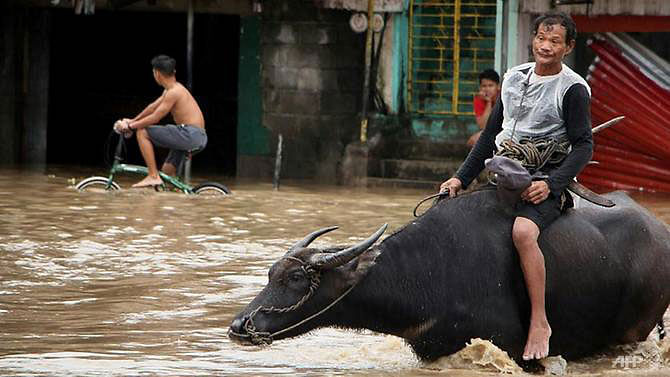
{"x": 264, "y": 68}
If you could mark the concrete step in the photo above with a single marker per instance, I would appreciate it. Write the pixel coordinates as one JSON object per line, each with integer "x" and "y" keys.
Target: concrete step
{"x": 420, "y": 149}
{"x": 428, "y": 186}
{"x": 417, "y": 170}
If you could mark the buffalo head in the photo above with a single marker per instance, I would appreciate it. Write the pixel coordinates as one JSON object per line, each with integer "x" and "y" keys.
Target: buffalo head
{"x": 302, "y": 285}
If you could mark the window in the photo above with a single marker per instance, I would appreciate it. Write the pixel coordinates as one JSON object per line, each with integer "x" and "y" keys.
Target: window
{"x": 450, "y": 43}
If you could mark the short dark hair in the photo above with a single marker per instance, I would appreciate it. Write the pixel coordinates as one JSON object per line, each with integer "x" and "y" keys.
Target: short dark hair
{"x": 557, "y": 18}
{"x": 489, "y": 74}
{"x": 164, "y": 64}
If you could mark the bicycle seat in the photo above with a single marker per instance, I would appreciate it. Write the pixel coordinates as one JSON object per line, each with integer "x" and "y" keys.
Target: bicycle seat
{"x": 193, "y": 152}
{"x": 184, "y": 168}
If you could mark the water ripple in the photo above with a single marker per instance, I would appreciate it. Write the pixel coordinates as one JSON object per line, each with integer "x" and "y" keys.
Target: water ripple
{"x": 140, "y": 283}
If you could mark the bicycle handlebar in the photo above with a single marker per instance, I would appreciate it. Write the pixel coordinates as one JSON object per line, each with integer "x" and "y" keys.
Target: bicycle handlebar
{"x": 119, "y": 148}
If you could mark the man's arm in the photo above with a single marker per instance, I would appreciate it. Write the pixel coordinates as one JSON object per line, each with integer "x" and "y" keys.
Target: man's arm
{"x": 577, "y": 120}
{"x": 149, "y": 109}
{"x": 481, "y": 120}
{"x": 484, "y": 148}
{"x": 483, "y": 117}
{"x": 169, "y": 98}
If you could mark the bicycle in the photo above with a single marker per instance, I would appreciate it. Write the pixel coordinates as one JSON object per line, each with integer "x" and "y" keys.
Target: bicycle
{"x": 177, "y": 184}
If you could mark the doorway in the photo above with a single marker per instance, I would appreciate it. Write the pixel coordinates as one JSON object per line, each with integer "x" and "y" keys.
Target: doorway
{"x": 101, "y": 71}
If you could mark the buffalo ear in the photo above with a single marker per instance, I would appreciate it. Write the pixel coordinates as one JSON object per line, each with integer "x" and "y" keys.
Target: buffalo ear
{"x": 361, "y": 266}
{"x": 352, "y": 272}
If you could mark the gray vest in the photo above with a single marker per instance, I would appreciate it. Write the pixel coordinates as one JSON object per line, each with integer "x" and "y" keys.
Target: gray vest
{"x": 541, "y": 114}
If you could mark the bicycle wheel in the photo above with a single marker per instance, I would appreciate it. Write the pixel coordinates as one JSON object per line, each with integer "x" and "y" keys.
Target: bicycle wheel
{"x": 211, "y": 188}
{"x": 97, "y": 184}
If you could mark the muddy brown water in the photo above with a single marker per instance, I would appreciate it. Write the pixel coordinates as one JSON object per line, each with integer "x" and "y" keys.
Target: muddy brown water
{"x": 144, "y": 283}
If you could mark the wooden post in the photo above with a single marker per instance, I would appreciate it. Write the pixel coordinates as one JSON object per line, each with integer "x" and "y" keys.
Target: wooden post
{"x": 275, "y": 178}
{"x": 36, "y": 87}
{"x": 189, "y": 76}
{"x": 9, "y": 66}
{"x": 366, "y": 79}
{"x": 189, "y": 46}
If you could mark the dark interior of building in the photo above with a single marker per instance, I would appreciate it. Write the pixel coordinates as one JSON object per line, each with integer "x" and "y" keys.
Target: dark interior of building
{"x": 101, "y": 72}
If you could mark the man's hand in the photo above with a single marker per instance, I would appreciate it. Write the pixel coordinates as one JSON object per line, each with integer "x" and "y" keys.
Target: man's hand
{"x": 121, "y": 126}
{"x": 536, "y": 193}
{"x": 453, "y": 185}
{"x": 484, "y": 95}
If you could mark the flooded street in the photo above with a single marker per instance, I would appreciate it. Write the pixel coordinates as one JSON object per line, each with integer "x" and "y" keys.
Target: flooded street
{"x": 143, "y": 283}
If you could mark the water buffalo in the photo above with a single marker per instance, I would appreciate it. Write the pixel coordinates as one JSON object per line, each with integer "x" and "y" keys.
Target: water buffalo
{"x": 453, "y": 274}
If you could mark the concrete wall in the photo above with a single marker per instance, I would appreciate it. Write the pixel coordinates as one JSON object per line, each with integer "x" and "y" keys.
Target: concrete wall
{"x": 312, "y": 79}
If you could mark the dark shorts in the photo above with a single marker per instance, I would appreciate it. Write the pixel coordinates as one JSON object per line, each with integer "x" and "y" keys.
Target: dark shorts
{"x": 542, "y": 214}
{"x": 179, "y": 139}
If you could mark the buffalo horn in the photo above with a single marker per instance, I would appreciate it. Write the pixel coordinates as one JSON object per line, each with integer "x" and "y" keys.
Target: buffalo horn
{"x": 608, "y": 124}
{"x": 311, "y": 237}
{"x": 328, "y": 261}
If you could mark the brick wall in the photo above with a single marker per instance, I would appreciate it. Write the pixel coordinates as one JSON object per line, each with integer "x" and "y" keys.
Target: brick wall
{"x": 312, "y": 75}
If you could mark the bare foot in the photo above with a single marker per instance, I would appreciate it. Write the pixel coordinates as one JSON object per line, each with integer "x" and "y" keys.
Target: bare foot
{"x": 537, "y": 345}
{"x": 149, "y": 181}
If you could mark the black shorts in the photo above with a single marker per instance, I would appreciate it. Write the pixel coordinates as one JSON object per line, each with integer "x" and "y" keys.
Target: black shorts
{"x": 542, "y": 214}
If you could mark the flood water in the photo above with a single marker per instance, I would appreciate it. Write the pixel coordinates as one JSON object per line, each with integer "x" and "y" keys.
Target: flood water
{"x": 143, "y": 283}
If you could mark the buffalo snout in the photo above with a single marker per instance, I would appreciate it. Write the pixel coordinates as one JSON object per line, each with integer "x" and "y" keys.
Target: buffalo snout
{"x": 237, "y": 332}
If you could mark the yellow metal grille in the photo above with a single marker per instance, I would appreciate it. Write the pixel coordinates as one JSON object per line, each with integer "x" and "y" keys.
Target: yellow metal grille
{"x": 450, "y": 42}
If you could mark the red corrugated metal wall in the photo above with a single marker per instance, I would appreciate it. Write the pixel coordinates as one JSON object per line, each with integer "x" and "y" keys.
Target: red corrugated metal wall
{"x": 634, "y": 154}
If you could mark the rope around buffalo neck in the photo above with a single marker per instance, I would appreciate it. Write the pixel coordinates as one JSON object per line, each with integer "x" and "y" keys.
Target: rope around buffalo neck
{"x": 264, "y": 337}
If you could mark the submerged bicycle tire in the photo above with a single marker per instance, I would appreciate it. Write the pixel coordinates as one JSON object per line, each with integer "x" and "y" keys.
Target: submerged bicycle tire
{"x": 101, "y": 184}
{"x": 97, "y": 184}
{"x": 211, "y": 188}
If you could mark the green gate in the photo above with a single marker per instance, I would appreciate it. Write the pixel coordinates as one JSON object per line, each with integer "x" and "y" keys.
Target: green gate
{"x": 450, "y": 42}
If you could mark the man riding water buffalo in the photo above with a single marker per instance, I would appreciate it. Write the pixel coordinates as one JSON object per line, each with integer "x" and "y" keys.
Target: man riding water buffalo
{"x": 543, "y": 102}
{"x": 454, "y": 273}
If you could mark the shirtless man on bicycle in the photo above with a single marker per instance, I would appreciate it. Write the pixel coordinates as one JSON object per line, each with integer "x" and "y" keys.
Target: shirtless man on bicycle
{"x": 187, "y": 135}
